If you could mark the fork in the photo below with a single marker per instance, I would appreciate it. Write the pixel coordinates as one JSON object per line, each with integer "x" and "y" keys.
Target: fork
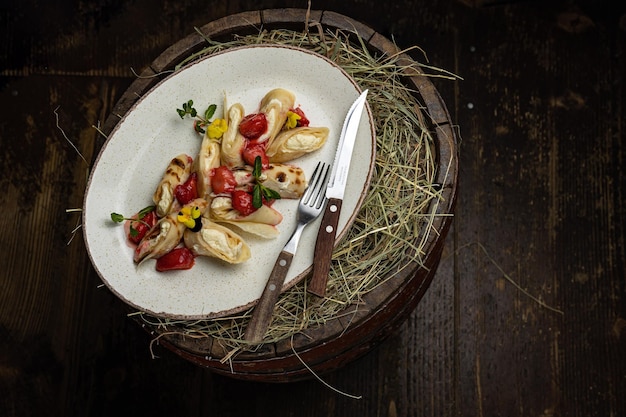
{"x": 310, "y": 206}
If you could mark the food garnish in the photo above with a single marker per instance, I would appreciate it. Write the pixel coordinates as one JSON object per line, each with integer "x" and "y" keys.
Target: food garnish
{"x": 139, "y": 224}
{"x": 261, "y": 192}
{"x": 216, "y": 127}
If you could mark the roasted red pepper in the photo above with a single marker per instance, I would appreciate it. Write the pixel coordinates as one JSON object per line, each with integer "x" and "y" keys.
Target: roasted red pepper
{"x": 178, "y": 258}
{"x": 242, "y": 202}
{"x": 223, "y": 180}
{"x": 253, "y": 125}
{"x": 302, "y": 121}
{"x": 251, "y": 151}
{"x": 188, "y": 190}
{"x": 138, "y": 228}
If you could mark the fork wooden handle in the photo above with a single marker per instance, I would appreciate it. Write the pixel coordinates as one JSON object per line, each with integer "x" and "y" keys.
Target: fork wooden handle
{"x": 264, "y": 310}
{"x": 324, "y": 247}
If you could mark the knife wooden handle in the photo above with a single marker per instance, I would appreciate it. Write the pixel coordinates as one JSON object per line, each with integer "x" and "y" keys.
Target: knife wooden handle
{"x": 324, "y": 247}
{"x": 264, "y": 310}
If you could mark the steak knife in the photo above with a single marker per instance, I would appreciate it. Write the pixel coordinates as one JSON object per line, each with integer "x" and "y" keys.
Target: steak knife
{"x": 334, "y": 193}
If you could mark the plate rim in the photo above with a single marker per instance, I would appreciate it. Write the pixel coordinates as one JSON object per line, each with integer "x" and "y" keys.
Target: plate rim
{"x": 241, "y": 308}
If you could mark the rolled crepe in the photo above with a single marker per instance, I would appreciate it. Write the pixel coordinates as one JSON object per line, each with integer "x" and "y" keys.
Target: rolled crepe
{"x": 207, "y": 160}
{"x": 293, "y": 143}
{"x": 176, "y": 173}
{"x": 287, "y": 180}
{"x": 216, "y": 241}
{"x": 233, "y": 142}
{"x": 222, "y": 210}
{"x": 275, "y": 105}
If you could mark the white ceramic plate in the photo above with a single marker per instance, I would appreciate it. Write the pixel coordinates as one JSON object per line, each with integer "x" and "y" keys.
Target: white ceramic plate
{"x": 133, "y": 159}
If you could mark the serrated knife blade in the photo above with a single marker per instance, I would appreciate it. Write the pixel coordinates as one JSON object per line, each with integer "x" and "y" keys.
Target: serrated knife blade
{"x": 334, "y": 194}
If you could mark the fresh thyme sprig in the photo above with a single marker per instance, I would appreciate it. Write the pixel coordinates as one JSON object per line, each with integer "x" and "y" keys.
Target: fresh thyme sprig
{"x": 201, "y": 121}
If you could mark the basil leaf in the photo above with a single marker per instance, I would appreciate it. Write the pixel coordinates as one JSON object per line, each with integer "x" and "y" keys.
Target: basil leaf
{"x": 270, "y": 194}
{"x": 257, "y": 197}
{"x": 258, "y": 166}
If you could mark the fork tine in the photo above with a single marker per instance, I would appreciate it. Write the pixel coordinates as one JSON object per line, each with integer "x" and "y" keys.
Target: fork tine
{"x": 309, "y": 190}
{"x": 321, "y": 195}
{"x": 313, "y": 183}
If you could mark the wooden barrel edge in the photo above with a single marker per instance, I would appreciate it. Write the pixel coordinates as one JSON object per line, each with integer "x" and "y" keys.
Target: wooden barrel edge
{"x": 296, "y": 18}
{"x": 430, "y": 93}
{"x": 290, "y": 368}
{"x": 438, "y": 113}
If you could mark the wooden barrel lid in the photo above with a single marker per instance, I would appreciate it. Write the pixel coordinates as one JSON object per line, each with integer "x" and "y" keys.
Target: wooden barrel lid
{"x": 359, "y": 328}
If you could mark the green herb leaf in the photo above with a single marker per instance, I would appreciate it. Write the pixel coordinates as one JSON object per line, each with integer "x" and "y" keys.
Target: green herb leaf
{"x": 210, "y": 112}
{"x": 260, "y": 191}
{"x": 270, "y": 194}
{"x": 145, "y": 211}
{"x": 257, "y": 197}
{"x": 133, "y": 232}
{"x": 117, "y": 218}
{"x": 187, "y": 110}
{"x": 258, "y": 167}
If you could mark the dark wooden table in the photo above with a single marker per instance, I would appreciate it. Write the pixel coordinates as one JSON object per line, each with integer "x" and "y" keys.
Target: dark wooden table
{"x": 527, "y": 313}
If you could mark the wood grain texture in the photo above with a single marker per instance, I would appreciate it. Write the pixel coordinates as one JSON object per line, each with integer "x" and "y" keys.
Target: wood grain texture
{"x": 264, "y": 310}
{"x": 540, "y": 207}
{"x": 324, "y": 244}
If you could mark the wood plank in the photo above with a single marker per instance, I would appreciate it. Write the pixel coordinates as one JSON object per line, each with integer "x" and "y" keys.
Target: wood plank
{"x": 541, "y": 190}
{"x": 526, "y": 183}
{"x": 497, "y": 187}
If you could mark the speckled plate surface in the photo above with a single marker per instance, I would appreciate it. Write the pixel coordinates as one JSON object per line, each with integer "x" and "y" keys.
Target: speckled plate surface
{"x": 136, "y": 153}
